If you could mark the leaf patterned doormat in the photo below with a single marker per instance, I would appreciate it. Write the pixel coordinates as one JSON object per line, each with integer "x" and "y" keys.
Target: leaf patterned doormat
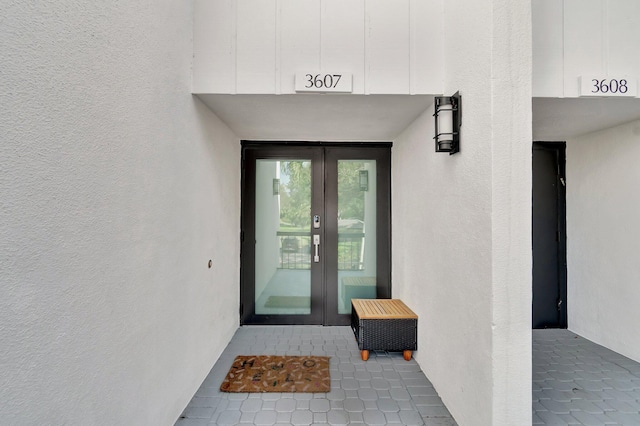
{"x": 264, "y": 373}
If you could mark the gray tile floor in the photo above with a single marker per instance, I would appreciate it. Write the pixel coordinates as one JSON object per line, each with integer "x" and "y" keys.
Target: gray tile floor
{"x": 577, "y": 382}
{"x": 386, "y": 389}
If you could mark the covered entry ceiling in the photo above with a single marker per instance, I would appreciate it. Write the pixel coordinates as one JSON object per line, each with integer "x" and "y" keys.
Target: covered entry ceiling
{"x": 559, "y": 119}
{"x": 327, "y": 117}
{"x": 332, "y": 117}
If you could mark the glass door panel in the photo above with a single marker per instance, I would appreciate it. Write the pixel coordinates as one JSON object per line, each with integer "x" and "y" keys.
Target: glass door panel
{"x": 357, "y": 206}
{"x": 283, "y": 237}
{"x": 356, "y": 245}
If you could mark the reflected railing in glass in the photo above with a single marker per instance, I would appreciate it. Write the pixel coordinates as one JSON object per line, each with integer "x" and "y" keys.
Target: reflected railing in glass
{"x": 351, "y": 251}
{"x": 295, "y": 250}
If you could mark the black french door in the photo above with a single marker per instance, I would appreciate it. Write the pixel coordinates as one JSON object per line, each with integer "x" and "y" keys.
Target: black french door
{"x": 549, "y": 241}
{"x": 315, "y": 230}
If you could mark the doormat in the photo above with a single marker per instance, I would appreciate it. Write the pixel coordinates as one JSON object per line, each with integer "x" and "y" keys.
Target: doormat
{"x": 287, "y": 302}
{"x": 250, "y": 373}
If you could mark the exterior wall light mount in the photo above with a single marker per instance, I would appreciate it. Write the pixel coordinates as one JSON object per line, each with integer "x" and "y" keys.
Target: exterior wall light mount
{"x": 448, "y": 121}
{"x": 363, "y": 180}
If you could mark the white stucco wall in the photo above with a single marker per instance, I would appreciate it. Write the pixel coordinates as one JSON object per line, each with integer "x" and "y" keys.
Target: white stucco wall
{"x": 462, "y": 223}
{"x": 603, "y": 237}
{"x": 511, "y": 166}
{"x": 117, "y": 187}
{"x": 442, "y": 263}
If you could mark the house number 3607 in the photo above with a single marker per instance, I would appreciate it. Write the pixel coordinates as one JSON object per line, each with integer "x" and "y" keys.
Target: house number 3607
{"x": 334, "y": 81}
{"x": 609, "y": 86}
{"x": 322, "y": 81}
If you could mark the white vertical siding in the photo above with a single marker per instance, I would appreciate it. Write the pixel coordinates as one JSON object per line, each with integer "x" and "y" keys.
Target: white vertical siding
{"x": 256, "y": 46}
{"x": 214, "y": 37}
{"x": 387, "y": 46}
{"x": 583, "y": 37}
{"x": 624, "y": 37}
{"x": 584, "y": 51}
{"x": 299, "y": 48}
{"x": 342, "y": 39}
{"x": 252, "y": 46}
{"x": 548, "y": 56}
{"x": 426, "y": 50}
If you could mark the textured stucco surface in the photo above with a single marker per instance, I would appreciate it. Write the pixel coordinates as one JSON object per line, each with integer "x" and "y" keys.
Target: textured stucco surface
{"x": 603, "y": 237}
{"x": 511, "y": 211}
{"x": 117, "y": 187}
{"x": 462, "y": 223}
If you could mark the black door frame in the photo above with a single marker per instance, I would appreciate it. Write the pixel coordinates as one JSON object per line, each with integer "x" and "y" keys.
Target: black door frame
{"x": 558, "y": 150}
{"x": 250, "y": 153}
{"x": 325, "y": 198}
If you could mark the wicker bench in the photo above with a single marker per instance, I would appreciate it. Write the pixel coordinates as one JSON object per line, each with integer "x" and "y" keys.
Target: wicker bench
{"x": 384, "y": 325}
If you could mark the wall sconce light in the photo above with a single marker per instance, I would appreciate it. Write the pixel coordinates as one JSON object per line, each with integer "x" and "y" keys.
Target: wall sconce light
{"x": 448, "y": 122}
{"x": 363, "y": 179}
{"x": 276, "y": 186}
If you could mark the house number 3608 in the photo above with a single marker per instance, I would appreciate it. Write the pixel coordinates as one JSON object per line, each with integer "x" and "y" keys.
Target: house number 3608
{"x": 322, "y": 81}
{"x": 609, "y": 86}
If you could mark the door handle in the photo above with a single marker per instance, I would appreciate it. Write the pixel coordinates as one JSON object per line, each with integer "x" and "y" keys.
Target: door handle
{"x": 316, "y": 245}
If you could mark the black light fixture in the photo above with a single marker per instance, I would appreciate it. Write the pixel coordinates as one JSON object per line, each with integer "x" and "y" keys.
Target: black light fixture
{"x": 276, "y": 186}
{"x": 363, "y": 179}
{"x": 447, "y": 114}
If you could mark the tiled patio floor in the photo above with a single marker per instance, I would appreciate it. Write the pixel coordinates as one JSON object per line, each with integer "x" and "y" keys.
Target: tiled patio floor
{"x": 386, "y": 389}
{"x": 577, "y": 382}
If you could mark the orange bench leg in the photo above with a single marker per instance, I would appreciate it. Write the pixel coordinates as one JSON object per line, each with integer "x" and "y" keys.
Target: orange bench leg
{"x": 364, "y": 354}
{"x": 407, "y": 355}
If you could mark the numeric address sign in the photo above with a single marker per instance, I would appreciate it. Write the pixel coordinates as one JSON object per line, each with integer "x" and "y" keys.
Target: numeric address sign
{"x": 608, "y": 86}
{"x": 337, "y": 82}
